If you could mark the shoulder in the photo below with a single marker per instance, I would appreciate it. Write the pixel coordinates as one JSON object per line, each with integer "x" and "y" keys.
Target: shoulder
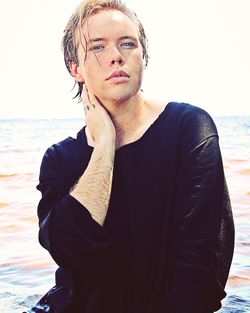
{"x": 187, "y": 113}
{"x": 194, "y": 123}
{"x": 183, "y": 123}
{"x": 185, "y": 126}
{"x": 68, "y": 154}
{"x": 63, "y": 148}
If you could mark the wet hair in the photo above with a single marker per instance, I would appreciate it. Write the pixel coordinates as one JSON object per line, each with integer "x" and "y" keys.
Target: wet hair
{"x": 87, "y": 8}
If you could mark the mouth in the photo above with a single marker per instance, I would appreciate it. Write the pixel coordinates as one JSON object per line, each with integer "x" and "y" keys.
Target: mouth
{"x": 118, "y": 74}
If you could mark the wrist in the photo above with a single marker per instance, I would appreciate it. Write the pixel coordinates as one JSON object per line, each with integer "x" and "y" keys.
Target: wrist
{"x": 105, "y": 145}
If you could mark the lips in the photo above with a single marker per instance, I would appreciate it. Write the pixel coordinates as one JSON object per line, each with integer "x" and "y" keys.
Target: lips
{"x": 118, "y": 74}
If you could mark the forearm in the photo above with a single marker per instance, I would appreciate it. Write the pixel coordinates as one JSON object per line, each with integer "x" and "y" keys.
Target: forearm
{"x": 93, "y": 189}
{"x": 196, "y": 266}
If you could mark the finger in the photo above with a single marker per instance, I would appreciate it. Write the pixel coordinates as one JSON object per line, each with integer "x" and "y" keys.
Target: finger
{"x": 92, "y": 99}
{"x": 99, "y": 101}
{"x": 87, "y": 94}
{"x": 85, "y": 100}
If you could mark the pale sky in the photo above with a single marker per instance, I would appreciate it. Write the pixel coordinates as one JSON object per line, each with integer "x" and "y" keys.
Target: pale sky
{"x": 199, "y": 53}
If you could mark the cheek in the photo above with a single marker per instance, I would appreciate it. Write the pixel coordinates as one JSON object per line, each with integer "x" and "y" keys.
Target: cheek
{"x": 137, "y": 59}
{"x": 93, "y": 66}
{"x": 90, "y": 73}
{"x": 138, "y": 65}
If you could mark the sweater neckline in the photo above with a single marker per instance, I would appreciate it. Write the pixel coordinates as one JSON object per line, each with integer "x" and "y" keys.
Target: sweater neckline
{"x": 135, "y": 142}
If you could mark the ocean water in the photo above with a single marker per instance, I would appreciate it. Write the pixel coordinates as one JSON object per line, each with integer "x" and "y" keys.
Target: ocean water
{"x": 27, "y": 270}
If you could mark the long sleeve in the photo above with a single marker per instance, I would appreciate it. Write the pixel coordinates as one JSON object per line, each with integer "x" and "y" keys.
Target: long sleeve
{"x": 197, "y": 272}
{"x": 166, "y": 245}
{"x": 67, "y": 230}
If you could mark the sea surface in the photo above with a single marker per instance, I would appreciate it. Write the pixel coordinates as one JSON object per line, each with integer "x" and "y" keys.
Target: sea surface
{"x": 27, "y": 270}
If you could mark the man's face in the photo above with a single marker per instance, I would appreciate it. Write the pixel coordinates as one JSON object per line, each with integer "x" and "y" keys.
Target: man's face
{"x": 113, "y": 47}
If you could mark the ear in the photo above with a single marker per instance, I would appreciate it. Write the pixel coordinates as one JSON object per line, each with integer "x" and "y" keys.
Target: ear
{"x": 74, "y": 68}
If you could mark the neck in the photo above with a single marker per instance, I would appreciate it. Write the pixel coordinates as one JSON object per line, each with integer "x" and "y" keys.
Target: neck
{"x": 127, "y": 115}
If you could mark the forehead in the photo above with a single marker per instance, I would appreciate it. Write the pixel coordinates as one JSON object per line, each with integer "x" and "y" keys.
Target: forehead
{"x": 109, "y": 23}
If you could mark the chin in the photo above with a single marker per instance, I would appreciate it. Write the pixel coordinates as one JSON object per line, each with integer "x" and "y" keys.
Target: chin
{"x": 122, "y": 95}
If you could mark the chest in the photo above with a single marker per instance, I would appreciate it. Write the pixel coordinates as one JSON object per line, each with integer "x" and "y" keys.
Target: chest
{"x": 142, "y": 194}
{"x": 134, "y": 130}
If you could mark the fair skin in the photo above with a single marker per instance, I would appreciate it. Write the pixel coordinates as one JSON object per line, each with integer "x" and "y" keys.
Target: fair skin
{"x": 116, "y": 111}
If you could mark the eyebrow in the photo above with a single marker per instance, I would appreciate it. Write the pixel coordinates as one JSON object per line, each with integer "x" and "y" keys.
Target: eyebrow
{"x": 104, "y": 39}
{"x": 96, "y": 39}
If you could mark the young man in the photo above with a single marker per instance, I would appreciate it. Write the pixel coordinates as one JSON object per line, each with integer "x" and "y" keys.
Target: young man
{"x": 135, "y": 210}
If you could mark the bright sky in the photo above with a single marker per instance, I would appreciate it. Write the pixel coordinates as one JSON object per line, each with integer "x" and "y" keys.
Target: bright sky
{"x": 199, "y": 53}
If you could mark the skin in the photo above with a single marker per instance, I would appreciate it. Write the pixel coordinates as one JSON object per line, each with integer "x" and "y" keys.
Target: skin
{"x": 116, "y": 112}
{"x": 110, "y": 54}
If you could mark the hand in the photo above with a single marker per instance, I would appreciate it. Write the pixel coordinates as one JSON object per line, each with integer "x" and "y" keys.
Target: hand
{"x": 100, "y": 127}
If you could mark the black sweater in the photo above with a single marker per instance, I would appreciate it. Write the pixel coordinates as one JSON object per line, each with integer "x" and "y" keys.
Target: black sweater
{"x": 167, "y": 241}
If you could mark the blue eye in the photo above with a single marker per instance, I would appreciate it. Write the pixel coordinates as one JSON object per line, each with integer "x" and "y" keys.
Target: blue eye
{"x": 97, "y": 48}
{"x": 128, "y": 44}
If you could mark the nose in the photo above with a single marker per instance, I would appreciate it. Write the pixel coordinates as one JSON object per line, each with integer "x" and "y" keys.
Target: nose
{"x": 119, "y": 61}
{"x": 116, "y": 57}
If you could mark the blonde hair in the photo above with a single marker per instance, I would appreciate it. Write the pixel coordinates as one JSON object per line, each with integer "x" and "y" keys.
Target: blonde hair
{"x": 86, "y": 9}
